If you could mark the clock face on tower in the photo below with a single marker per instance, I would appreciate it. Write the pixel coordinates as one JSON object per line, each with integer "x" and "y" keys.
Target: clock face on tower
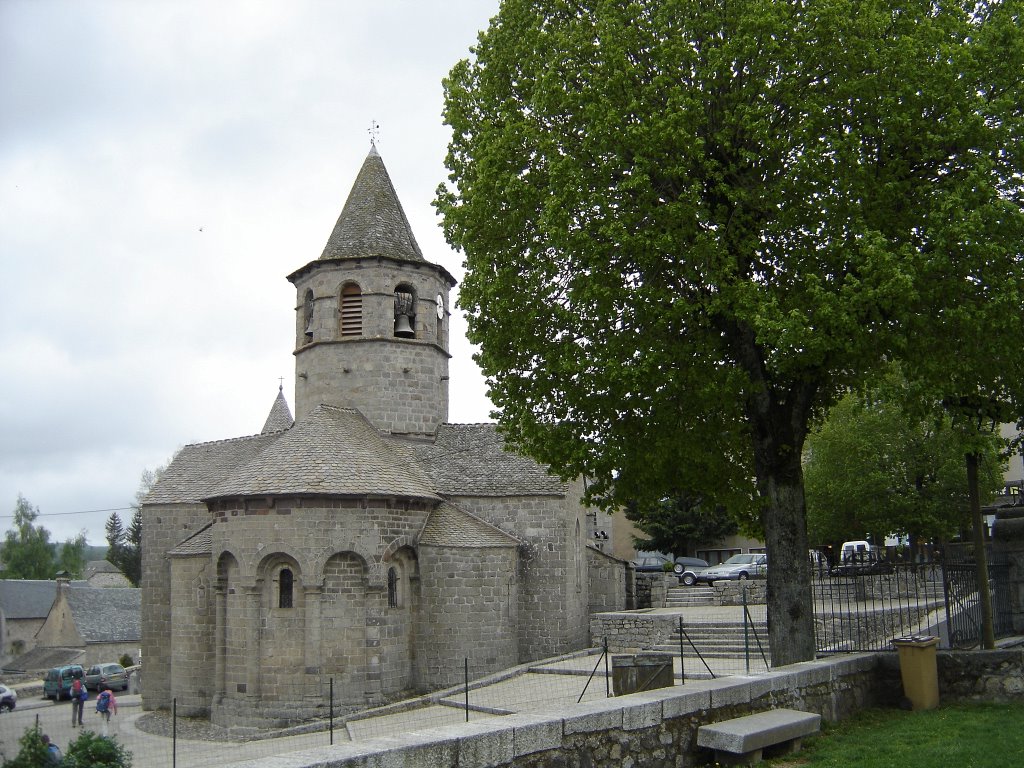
{"x": 440, "y": 307}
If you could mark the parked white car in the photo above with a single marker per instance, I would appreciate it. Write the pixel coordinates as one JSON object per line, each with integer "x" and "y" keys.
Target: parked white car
{"x": 749, "y": 566}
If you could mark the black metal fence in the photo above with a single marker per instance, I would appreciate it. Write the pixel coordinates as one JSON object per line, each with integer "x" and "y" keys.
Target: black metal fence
{"x": 864, "y": 611}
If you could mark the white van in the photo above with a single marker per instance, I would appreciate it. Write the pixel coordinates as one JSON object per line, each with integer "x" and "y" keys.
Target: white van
{"x": 855, "y": 550}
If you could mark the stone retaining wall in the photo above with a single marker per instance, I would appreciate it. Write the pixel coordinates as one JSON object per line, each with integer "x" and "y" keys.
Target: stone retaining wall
{"x": 658, "y": 728}
{"x": 643, "y": 730}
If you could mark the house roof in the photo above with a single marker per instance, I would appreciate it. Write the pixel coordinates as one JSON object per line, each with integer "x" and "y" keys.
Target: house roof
{"x": 108, "y": 615}
{"x": 472, "y": 460}
{"x": 332, "y": 452}
{"x": 372, "y": 223}
{"x": 101, "y": 566}
{"x": 280, "y": 416}
{"x": 449, "y": 526}
{"x": 29, "y": 598}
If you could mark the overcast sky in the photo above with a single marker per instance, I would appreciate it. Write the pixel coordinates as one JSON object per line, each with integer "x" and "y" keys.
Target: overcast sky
{"x": 163, "y": 167}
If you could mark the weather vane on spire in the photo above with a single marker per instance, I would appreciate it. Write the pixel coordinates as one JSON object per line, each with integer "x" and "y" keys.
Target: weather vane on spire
{"x": 374, "y": 131}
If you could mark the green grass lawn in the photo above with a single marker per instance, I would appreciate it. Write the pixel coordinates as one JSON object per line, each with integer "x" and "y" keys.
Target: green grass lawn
{"x": 957, "y": 736}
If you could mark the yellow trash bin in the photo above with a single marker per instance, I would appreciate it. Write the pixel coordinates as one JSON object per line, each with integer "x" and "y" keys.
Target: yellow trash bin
{"x": 919, "y": 670}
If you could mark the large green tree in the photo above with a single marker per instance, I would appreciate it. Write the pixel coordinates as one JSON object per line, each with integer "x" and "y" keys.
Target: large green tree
{"x": 689, "y": 226}
{"x": 679, "y": 523}
{"x": 27, "y": 552}
{"x": 874, "y": 467}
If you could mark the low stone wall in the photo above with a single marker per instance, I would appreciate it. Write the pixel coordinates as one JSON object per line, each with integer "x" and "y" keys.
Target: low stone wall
{"x": 627, "y": 631}
{"x": 752, "y": 592}
{"x": 643, "y": 730}
{"x": 995, "y": 676}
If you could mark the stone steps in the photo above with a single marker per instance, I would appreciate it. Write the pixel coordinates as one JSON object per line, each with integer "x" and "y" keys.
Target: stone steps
{"x": 683, "y": 597}
{"x": 718, "y": 640}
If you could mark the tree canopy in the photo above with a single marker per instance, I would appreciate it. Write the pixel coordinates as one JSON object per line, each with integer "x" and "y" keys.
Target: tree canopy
{"x": 690, "y": 226}
{"x": 874, "y": 467}
{"x": 27, "y": 552}
{"x": 679, "y": 523}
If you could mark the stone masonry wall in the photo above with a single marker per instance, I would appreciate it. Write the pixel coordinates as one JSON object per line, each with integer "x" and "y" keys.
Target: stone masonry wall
{"x": 163, "y": 527}
{"x": 644, "y": 730}
{"x": 400, "y": 385}
{"x": 607, "y": 576}
{"x": 192, "y": 624}
{"x": 278, "y": 660}
{"x": 469, "y": 611}
{"x": 553, "y": 584}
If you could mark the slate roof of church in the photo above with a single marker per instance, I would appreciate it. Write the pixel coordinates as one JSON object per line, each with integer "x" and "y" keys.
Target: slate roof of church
{"x": 109, "y": 615}
{"x": 280, "y": 416}
{"x": 332, "y": 452}
{"x": 373, "y": 222}
{"x": 198, "y": 470}
{"x": 449, "y": 526}
{"x": 471, "y": 460}
{"x": 199, "y": 543}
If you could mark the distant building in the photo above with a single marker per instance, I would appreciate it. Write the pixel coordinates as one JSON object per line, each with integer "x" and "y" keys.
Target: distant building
{"x": 45, "y": 623}
{"x": 370, "y": 542}
{"x": 103, "y": 573}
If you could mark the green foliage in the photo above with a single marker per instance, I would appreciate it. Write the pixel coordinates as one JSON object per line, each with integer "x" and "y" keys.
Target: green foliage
{"x": 26, "y": 552}
{"x": 126, "y": 661}
{"x": 90, "y": 750}
{"x": 872, "y": 467}
{"x": 71, "y": 556}
{"x": 689, "y": 227}
{"x": 32, "y": 752}
{"x": 679, "y": 524}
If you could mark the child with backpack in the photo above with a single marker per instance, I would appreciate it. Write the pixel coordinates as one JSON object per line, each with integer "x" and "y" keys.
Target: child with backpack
{"x": 105, "y": 704}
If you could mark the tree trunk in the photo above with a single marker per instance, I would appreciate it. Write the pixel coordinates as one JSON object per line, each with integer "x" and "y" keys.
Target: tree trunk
{"x": 790, "y": 602}
{"x": 988, "y": 637}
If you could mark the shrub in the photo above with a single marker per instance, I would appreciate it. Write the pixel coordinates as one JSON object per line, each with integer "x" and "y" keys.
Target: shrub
{"x": 90, "y": 750}
{"x": 126, "y": 660}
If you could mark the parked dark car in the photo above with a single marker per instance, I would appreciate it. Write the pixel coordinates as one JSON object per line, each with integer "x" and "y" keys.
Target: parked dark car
{"x": 101, "y": 676}
{"x": 653, "y": 563}
{"x": 687, "y": 568}
{"x": 8, "y": 698}
{"x": 863, "y": 564}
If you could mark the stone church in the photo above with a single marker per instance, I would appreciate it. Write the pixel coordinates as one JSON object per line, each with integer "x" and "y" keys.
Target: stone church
{"x": 370, "y": 542}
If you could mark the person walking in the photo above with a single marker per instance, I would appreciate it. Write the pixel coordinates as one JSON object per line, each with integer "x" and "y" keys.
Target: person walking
{"x": 79, "y": 694}
{"x": 105, "y": 704}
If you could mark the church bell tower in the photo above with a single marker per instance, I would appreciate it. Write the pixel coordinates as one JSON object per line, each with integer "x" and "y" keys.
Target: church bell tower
{"x": 372, "y": 316}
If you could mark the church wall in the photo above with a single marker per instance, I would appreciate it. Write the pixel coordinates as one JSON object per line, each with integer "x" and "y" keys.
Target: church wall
{"x": 607, "y": 577}
{"x": 553, "y": 585}
{"x": 469, "y": 610}
{"x": 192, "y": 625}
{"x": 340, "y": 625}
{"x": 163, "y": 528}
{"x": 399, "y": 386}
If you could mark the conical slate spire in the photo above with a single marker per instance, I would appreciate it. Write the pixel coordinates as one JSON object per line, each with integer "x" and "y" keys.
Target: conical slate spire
{"x": 280, "y": 416}
{"x": 372, "y": 223}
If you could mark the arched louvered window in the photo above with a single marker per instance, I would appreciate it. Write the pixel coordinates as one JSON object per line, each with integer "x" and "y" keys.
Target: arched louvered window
{"x": 285, "y": 587}
{"x": 351, "y": 310}
{"x": 307, "y": 318}
{"x": 392, "y": 588}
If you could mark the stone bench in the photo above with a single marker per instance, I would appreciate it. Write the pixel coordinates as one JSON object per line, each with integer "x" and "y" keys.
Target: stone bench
{"x": 740, "y": 741}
